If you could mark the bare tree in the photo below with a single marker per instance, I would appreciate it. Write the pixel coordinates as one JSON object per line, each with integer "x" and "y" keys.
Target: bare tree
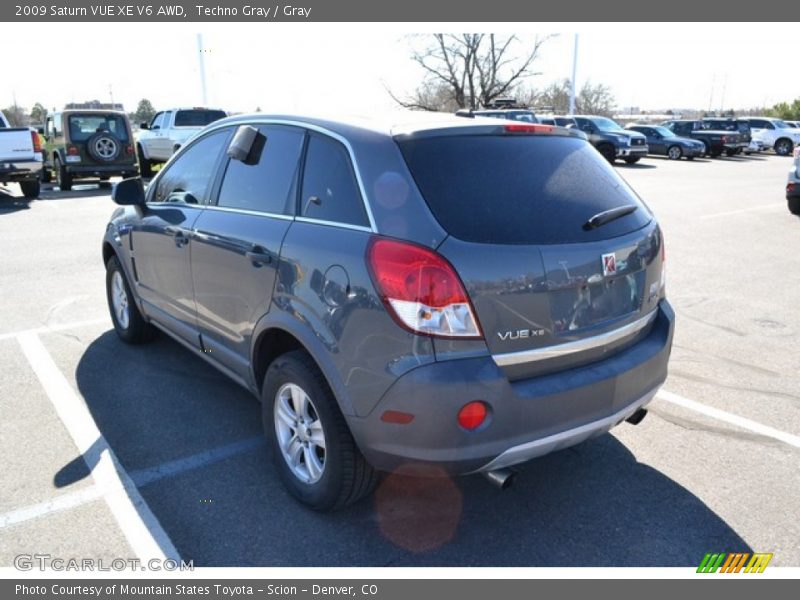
{"x": 470, "y": 70}
{"x": 595, "y": 99}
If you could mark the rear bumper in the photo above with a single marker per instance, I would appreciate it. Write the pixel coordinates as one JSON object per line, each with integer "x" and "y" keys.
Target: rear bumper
{"x": 99, "y": 170}
{"x": 20, "y": 171}
{"x": 528, "y": 418}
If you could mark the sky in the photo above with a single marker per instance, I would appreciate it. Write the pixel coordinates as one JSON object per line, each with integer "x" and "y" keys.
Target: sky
{"x": 348, "y": 67}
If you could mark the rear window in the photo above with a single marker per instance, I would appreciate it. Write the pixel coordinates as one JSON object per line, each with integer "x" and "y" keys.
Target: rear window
{"x": 523, "y": 189}
{"x": 197, "y": 118}
{"x": 82, "y": 127}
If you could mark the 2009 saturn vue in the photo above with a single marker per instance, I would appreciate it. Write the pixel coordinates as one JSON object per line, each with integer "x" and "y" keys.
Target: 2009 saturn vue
{"x": 464, "y": 293}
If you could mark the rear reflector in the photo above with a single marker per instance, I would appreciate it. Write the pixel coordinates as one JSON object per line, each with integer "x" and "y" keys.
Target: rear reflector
{"x": 72, "y": 150}
{"x": 421, "y": 290}
{"x": 397, "y": 417}
{"x": 472, "y": 415}
{"x": 533, "y": 128}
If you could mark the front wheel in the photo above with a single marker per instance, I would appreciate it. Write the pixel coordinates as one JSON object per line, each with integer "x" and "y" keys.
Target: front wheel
{"x": 783, "y": 147}
{"x": 674, "y": 153}
{"x": 315, "y": 454}
{"x": 145, "y": 166}
{"x": 128, "y": 321}
{"x": 608, "y": 152}
{"x": 632, "y": 160}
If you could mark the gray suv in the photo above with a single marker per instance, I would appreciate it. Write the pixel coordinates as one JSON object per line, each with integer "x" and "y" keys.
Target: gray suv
{"x": 433, "y": 291}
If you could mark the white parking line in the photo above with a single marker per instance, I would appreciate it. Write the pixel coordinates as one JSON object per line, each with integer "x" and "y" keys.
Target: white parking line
{"x": 53, "y": 328}
{"x": 141, "y": 478}
{"x": 721, "y": 415}
{"x": 743, "y": 210}
{"x": 135, "y": 519}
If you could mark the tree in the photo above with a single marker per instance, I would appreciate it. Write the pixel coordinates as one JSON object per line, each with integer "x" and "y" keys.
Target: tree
{"x": 38, "y": 113}
{"x": 595, "y": 99}
{"x": 144, "y": 111}
{"x": 16, "y": 116}
{"x": 784, "y": 110}
{"x": 470, "y": 70}
{"x": 591, "y": 99}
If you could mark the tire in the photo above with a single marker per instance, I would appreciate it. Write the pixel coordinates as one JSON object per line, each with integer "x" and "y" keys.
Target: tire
{"x": 707, "y": 151}
{"x": 31, "y": 188}
{"x": 128, "y": 321}
{"x": 730, "y": 152}
{"x": 794, "y": 205}
{"x": 674, "y": 152}
{"x": 608, "y": 152}
{"x": 145, "y": 166}
{"x": 783, "y": 147}
{"x": 715, "y": 153}
{"x": 47, "y": 174}
{"x": 631, "y": 160}
{"x": 325, "y": 477}
{"x": 690, "y": 158}
{"x": 63, "y": 178}
{"x": 104, "y": 147}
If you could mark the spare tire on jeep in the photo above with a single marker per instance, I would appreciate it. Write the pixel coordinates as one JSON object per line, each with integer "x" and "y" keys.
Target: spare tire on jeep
{"x": 103, "y": 146}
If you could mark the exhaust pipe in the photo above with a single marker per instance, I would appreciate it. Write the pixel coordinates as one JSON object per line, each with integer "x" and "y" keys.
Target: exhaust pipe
{"x": 637, "y": 417}
{"x": 500, "y": 478}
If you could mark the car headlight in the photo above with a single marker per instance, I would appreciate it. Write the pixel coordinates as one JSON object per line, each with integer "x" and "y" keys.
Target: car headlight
{"x": 624, "y": 140}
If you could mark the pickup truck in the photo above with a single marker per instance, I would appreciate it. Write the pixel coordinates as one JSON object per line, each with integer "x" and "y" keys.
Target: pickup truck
{"x": 716, "y": 141}
{"x": 167, "y": 131}
{"x": 20, "y": 157}
{"x": 611, "y": 140}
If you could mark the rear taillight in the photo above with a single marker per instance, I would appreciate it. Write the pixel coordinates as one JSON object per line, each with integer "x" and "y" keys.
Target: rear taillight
{"x": 421, "y": 290}
{"x": 529, "y": 128}
{"x": 663, "y": 264}
{"x": 72, "y": 150}
{"x": 37, "y": 142}
{"x": 129, "y": 150}
{"x": 790, "y": 188}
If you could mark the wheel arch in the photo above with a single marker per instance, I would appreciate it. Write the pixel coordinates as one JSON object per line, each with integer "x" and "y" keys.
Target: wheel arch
{"x": 278, "y": 333}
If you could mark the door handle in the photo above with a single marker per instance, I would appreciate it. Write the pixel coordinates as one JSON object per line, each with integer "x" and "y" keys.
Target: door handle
{"x": 258, "y": 256}
{"x": 180, "y": 234}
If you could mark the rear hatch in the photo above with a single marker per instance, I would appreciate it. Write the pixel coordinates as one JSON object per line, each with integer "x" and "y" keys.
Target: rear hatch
{"x": 546, "y": 286}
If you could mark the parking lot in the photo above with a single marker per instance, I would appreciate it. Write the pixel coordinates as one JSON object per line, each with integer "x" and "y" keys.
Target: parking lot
{"x": 118, "y": 451}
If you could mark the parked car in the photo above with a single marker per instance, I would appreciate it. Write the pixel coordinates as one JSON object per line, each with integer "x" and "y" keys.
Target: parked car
{"x": 775, "y": 134}
{"x": 88, "y": 144}
{"x": 514, "y": 114}
{"x": 741, "y": 126}
{"x": 793, "y": 124}
{"x": 20, "y": 157}
{"x": 431, "y": 290}
{"x": 611, "y": 140}
{"x": 716, "y": 141}
{"x": 662, "y": 141}
{"x": 557, "y": 120}
{"x": 793, "y": 185}
{"x": 167, "y": 131}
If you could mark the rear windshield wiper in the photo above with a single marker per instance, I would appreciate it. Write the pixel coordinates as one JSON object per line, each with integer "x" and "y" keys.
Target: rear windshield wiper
{"x": 607, "y": 216}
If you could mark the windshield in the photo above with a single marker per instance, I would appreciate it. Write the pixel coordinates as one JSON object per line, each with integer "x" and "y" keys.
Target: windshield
{"x": 664, "y": 132}
{"x": 82, "y": 127}
{"x": 604, "y": 124}
{"x": 781, "y": 124}
{"x": 197, "y": 118}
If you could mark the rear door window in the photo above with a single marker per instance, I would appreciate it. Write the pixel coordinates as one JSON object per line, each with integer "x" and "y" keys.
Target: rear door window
{"x": 265, "y": 182}
{"x": 197, "y": 117}
{"x": 330, "y": 191}
{"x": 519, "y": 189}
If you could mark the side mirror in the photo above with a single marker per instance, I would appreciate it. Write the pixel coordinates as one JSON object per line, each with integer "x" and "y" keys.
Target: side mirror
{"x": 129, "y": 192}
{"x": 144, "y": 125}
{"x": 246, "y": 145}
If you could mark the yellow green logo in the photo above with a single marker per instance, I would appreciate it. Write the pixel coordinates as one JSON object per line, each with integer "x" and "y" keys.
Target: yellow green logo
{"x": 734, "y": 562}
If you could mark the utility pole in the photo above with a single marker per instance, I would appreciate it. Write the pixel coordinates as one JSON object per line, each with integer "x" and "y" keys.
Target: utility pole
{"x": 574, "y": 74}
{"x": 200, "y": 53}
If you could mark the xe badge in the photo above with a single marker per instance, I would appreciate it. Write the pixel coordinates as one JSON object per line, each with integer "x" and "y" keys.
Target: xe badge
{"x": 609, "y": 264}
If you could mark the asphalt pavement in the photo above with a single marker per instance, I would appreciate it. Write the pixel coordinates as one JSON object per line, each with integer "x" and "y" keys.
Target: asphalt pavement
{"x": 117, "y": 451}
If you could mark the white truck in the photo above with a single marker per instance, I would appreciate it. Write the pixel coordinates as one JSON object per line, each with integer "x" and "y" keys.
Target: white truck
{"x": 167, "y": 131}
{"x": 21, "y": 157}
{"x": 775, "y": 134}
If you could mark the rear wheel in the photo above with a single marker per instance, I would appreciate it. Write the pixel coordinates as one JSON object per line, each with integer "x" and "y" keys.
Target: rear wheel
{"x": 30, "y": 188}
{"x": 794, "y": 205}
{"x": 674, "y": 152}
{"x": 128, "y": 321}
{"x": 730, "y": 152}
{"x": 63, "y": 178}
{"x": 315, "y": 454}
{"x": 783, "y": 147}
{"x": 145, "y": 166}
{"x": 608, "y": 152}
{"x": 47, "y": 174}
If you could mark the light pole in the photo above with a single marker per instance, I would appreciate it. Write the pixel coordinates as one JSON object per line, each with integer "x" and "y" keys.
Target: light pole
{"x": 574, "y": 72}
{"x": 200, "y": 52}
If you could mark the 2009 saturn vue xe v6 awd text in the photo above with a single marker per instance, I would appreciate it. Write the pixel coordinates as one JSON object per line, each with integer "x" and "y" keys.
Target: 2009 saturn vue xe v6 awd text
{"x": 465, "y": 293}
